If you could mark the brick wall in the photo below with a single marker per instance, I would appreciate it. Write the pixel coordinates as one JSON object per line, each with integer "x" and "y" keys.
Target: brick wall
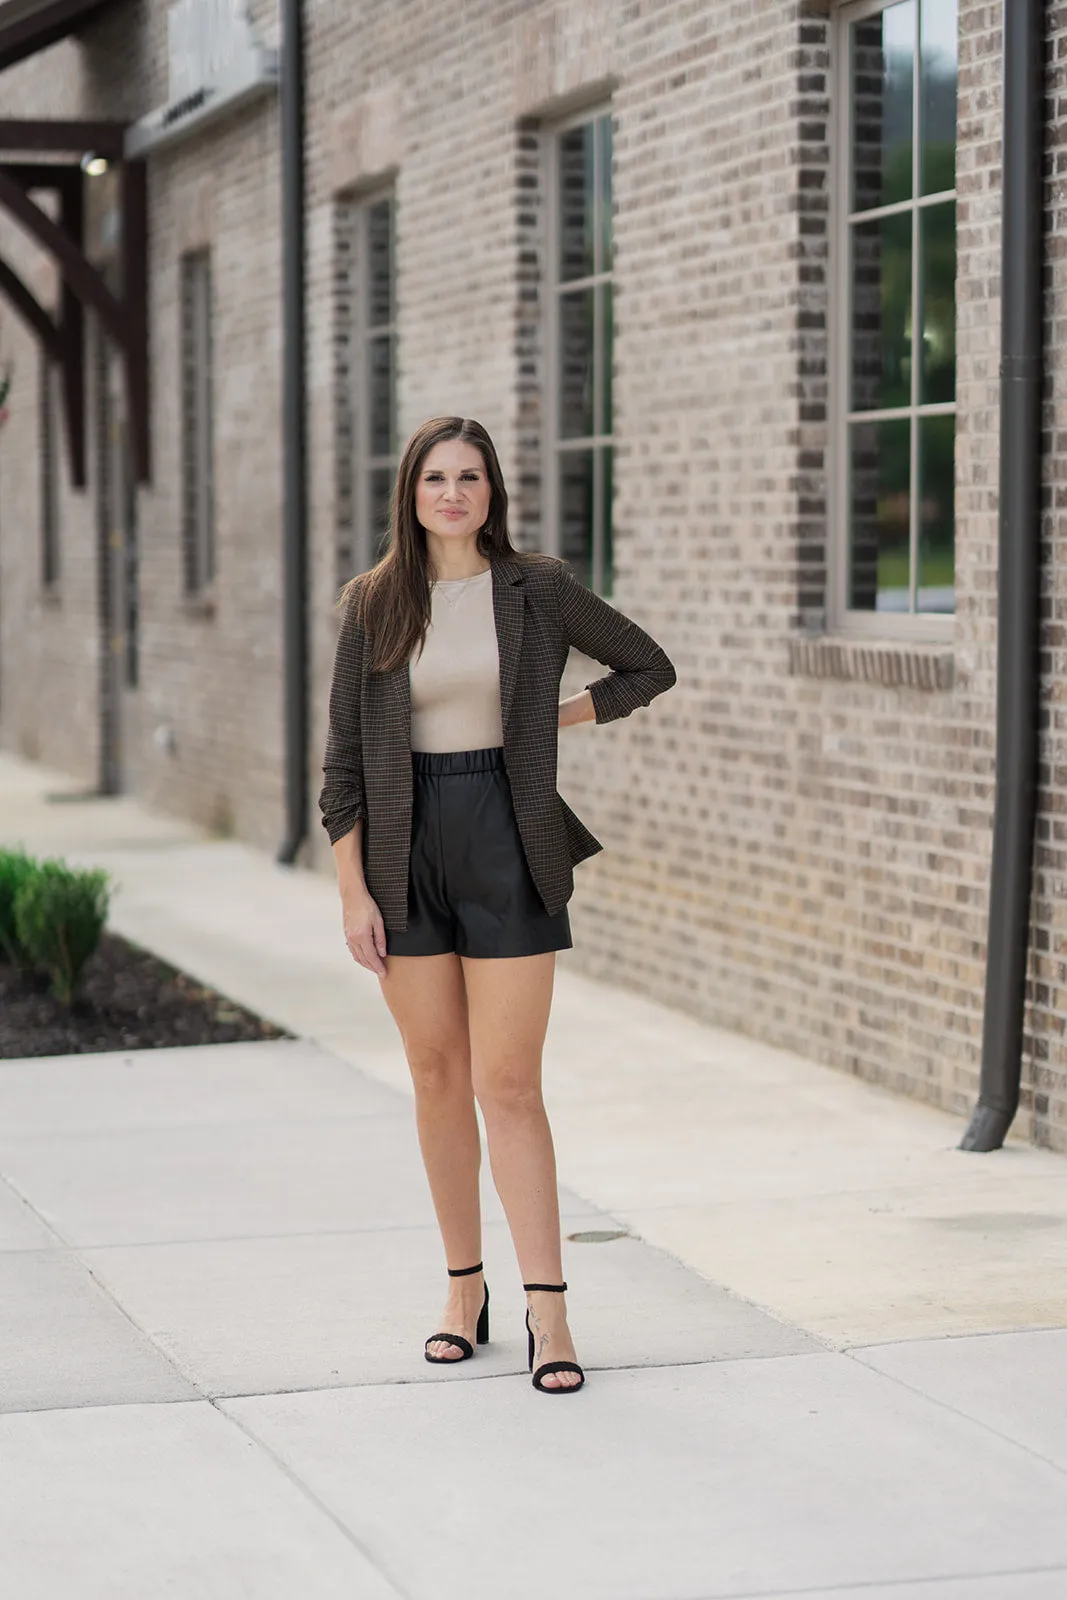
{"x": 48, "y": 649}
{"x": 210, "y": 670}
{"x": 798, "y": 835}
{"x": 1045, "y": 1071}
{"x": 819, "y": 861}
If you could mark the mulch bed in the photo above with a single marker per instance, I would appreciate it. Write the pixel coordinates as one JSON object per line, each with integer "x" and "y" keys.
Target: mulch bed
{"x": 129, "y": 1000}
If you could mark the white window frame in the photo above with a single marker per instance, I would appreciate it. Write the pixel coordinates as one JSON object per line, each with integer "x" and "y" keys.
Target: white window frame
{"x": 914, "y": 627}
{"x": 364, "y": 462}
{"x": 552, "y": 445}
{"x": 198, "y": 446}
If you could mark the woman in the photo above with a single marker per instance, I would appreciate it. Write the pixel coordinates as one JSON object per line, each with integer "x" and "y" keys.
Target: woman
{"x": 454, "y": 851}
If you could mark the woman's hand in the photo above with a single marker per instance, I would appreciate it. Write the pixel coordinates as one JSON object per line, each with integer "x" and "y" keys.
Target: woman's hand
{"x": 364, "y": 929}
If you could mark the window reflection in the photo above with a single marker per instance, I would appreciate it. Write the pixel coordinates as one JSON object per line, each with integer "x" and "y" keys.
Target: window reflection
{"x": 576, "y": 511}
{"x": 880, "y": 500}
{"x": 576, "y": 203}
{"x": 584, "y": 350}
{"x": 883, "y": 91}
{"x": 881, "y": 313}
{"x": 939, "y": 68}
{"x": 937, "y": 514}
{"x": 938, "y": 256}
{"x": 900, "y": 446}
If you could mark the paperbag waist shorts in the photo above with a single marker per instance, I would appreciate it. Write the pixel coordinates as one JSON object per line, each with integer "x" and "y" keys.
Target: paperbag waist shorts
{"x": 469, "y": 887}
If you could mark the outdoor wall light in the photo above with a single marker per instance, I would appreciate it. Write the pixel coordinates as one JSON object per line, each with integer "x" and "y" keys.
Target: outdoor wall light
{"x": 94, "y": 166}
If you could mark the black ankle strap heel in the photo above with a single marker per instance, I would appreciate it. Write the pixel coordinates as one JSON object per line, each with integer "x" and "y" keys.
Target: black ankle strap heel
{"x": 456, "y": 1339}
{"x": 550, "y": 1366}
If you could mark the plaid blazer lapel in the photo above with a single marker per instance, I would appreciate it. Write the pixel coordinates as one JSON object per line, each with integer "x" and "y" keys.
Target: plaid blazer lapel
{"x": 509, "y": 603}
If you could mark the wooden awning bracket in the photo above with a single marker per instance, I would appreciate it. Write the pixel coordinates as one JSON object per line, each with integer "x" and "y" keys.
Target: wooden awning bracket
{"x": 123, "y": 315}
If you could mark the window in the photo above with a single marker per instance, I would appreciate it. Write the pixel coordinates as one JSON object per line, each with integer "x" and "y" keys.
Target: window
{"x": 49, "y": 462}
{"x": 895, "y": 322}
{"x": 579, "y": 440}
{"x": 366, "y": 371}
{"x": 198, "y": 466}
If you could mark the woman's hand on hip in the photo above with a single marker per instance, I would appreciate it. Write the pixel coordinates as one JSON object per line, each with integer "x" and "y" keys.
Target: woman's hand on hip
{"x": 364, "y": 930}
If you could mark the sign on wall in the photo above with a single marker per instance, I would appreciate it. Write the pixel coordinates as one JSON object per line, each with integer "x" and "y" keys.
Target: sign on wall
{"x": 215, "y": 64}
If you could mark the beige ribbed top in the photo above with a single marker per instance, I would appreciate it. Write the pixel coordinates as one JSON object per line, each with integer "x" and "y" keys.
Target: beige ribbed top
{"x": 455, "y": 682}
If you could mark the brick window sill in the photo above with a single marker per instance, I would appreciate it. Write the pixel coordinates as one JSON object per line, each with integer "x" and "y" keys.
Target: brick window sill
{"x": 199, "y": 606}
{"x": 904, "y": 666}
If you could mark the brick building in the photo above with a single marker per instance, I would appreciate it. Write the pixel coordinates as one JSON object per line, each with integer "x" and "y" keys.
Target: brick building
{"x": 675, "y": 257}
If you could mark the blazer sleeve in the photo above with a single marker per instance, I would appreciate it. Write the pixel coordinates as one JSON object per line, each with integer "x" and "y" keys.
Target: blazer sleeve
{"x": 640, "y": 670}
{"x": 343, "y": 799}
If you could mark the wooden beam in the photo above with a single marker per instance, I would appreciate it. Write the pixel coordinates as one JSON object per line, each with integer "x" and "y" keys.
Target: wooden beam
{"x": 30, "y": 309}
{"x": 125, "y": 319}
{"x": 42, "y": 174}
{"x": 44, "y": 25}
{"x": 72, "y": 335}
{"x": 63, "y": 136}
{"x": 82, "y": 277}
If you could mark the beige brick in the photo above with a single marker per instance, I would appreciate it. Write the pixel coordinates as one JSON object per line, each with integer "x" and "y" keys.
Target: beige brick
{"x": 798, "y": 853}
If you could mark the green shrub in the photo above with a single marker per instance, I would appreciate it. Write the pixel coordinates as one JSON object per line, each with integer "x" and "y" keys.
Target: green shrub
{"x": 15, "y": 868}
{"x": 59, "y": 917}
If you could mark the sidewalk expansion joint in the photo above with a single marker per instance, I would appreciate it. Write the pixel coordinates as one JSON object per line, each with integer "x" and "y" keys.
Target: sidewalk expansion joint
{"x": 313, "y": 1499}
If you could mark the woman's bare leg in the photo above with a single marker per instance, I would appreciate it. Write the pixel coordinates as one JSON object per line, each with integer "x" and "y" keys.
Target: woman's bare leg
{"x": 508, "y": 1002}
{"x": 427, "y": 998}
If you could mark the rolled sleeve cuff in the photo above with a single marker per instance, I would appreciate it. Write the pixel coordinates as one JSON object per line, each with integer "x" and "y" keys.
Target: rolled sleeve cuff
{"x": 340, "y": 823}
{"x": 604, "y": 707}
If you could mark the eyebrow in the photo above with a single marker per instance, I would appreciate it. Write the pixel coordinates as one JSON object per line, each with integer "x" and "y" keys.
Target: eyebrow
{"x": 462, "y": 469}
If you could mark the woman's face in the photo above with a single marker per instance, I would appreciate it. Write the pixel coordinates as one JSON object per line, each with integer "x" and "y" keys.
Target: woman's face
{"x": 452, "y": 493}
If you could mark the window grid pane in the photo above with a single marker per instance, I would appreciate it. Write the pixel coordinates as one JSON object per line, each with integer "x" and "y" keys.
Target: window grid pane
{"x": 376, "y": 402}
{"x": 577, "y": 203}
{"x": 198, "y": 533}
{"x": 898, "y": 466}
{"x": 577, "y": 369}
{"x": 380, "y": 277}
{"x": 937, "y": 230}
{"x": 937, "y": 501}
{"x": 939, "y": 72}
{"x": 584, "y": 351}
{"x": 882, "y": 98}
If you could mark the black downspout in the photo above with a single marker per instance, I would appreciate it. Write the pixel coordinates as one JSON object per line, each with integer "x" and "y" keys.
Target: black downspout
{"x": 1018, "y": 682}
{"x": 294, "y": 433}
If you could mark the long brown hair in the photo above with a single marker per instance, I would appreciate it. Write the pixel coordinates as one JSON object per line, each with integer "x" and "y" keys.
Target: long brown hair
{"x": 393, "y": 598}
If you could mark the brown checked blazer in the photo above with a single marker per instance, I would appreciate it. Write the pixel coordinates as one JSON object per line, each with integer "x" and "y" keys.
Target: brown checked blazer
{"x": 541, "y": 610}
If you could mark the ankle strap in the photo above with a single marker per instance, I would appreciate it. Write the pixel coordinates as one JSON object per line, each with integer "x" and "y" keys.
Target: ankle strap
{"x": 463, "y": 1272}
{"x": 547, "y": 1288}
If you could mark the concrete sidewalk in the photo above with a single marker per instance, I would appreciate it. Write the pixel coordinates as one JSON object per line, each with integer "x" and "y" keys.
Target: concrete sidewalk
{"x": 218, "y": 1266}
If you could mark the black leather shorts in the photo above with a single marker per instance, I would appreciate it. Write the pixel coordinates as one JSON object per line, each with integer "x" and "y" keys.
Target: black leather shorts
{"x": 469, "y": 887}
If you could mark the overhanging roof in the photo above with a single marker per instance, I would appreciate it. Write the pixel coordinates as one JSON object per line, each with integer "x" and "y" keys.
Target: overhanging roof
{"x": 27, "y": 26}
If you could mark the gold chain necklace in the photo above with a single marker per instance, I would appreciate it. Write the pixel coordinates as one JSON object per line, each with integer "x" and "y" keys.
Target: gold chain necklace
{"x": 446, "y": 586}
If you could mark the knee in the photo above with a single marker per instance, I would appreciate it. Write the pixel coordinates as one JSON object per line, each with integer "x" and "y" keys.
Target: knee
{"x": 436, "y": 1072}
{"x": 509, "y": 1092}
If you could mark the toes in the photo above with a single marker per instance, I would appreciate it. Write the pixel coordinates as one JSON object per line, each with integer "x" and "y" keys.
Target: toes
{"x": 444, "y": 1351}
{"x": 560, "y": 1380}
